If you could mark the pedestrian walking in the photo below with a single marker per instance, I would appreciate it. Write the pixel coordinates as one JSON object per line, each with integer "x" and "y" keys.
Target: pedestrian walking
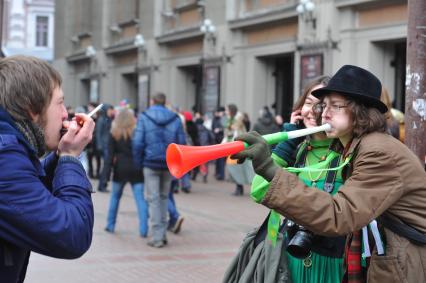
{"x": 102, "y": 130}
{"x": 45, "y": 205}
{"x": 384, "y": 182}
{"x": 218, "y": 123}
{"x": 92, "y": 151}
{"x": 205, "y": 138}
{"x": 124, "y": 170}
{"x": 156, "y": 128}
{"x": 240, "y": 174}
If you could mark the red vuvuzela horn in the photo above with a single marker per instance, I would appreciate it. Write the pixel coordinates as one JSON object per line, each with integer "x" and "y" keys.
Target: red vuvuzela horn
{"x": 182, "y": 158}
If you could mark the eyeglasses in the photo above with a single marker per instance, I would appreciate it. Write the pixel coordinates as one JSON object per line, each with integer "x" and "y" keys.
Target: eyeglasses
{"x": 334, "y": 108}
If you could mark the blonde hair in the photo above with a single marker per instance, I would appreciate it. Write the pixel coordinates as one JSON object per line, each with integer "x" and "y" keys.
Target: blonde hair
{"x": 385, "y": 98}
{"x": 123, "y": 125}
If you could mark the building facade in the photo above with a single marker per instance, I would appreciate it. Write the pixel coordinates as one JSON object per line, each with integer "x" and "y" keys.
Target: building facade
{"x": 27, "y": 28}
{"x": 213, "y": 52}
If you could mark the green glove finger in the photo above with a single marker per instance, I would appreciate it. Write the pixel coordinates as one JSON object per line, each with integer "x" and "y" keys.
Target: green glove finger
{"x": 251, "y": 138}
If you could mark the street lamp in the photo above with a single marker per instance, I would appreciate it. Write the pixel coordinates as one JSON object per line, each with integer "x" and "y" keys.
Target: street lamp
{"x": 139, "y": 41}
{"x": 90, "y": 51}
{"x": 209, "y": 30}
{"x": 305, "y": 9}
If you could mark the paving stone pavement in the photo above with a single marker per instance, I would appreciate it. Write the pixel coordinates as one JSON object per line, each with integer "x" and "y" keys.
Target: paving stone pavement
{"x": 214, "y": 226}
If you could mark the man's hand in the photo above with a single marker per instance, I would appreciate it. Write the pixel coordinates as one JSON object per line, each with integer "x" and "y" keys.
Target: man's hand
{"x": 260, "y": 154}
{"x": 76, "y": 138}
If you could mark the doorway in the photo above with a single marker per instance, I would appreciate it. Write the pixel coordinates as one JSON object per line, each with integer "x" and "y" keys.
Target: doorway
{"x": 284, "y": 86}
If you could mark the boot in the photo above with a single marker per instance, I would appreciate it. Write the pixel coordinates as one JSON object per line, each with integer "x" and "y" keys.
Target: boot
{"x": 239, "y": 190}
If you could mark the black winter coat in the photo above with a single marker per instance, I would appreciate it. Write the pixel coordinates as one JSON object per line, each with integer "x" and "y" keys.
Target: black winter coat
{"x": 120, "y": 159}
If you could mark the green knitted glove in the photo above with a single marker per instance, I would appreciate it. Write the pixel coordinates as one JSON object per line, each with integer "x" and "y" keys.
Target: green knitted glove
{"x": 260, "y": 154}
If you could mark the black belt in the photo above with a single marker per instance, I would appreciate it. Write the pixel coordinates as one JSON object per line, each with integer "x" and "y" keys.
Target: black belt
{"x": 404, "y": 230}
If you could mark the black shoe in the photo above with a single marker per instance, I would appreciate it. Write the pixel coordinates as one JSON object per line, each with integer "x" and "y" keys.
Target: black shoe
{"x": 104, "y": 190}
{"x": 186, "y": 190}
{"x": 156, "y": 244}
{"x": 178, "y": 225}
{"x": 109, "y": 230}
{"x": 239, "y": 191}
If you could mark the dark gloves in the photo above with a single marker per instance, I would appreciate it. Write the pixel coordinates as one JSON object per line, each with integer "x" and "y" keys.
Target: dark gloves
{"x": 260, "y": 154}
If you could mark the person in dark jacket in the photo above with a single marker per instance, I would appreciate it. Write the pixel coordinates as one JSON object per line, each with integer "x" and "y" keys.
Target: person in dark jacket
{"x": 218, "y": 129}
{"x": 124, "y": 170}
{"x": 102, "y": 130}
{"x": 92, "y": 150}
{"x": 265, "y": 124}
{"x": 205, "y": 137}
{"x": 45, "y": 205}
{"x": 156, "y": 128}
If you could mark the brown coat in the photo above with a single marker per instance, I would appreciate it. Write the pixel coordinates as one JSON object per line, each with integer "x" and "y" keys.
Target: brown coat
{"x": 383, "y": 175}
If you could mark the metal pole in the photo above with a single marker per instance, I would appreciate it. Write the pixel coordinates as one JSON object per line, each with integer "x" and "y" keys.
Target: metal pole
{"x": 415, "y": 101}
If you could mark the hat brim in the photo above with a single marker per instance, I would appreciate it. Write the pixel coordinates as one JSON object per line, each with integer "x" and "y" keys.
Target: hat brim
{"x": 368, "y": 101}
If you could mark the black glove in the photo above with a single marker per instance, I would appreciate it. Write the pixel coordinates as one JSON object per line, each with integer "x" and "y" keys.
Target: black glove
{"x": 260, "y": 154}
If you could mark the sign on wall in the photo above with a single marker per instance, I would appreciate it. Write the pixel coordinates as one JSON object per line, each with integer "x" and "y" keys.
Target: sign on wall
{"x": 212, "y": 88}
{"x": 143, "y": 92}
{"x": 311, "y": 67}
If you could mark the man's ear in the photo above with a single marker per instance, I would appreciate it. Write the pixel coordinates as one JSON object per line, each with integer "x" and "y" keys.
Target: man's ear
{"x": 34, "y": 117}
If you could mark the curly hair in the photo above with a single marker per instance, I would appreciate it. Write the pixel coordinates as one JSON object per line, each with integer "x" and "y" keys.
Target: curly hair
{"x": 366, "y": 119}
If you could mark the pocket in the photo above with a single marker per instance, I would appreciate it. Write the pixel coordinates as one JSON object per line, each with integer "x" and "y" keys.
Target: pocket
{"x": 385, "y": 269}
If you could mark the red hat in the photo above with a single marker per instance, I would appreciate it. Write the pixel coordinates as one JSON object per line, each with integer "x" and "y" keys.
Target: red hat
{"x": 187, "y": 115}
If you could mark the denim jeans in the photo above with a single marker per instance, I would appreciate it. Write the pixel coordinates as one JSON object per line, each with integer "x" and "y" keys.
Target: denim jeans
{"x": 157, "y": 187}
{"x": 220, "y": 168}
{"x": 171, "y": 206}
{"x": 141, "y": 205}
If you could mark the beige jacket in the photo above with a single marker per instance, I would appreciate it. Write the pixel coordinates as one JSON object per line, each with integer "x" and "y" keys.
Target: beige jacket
{"x": 383, "y": 175}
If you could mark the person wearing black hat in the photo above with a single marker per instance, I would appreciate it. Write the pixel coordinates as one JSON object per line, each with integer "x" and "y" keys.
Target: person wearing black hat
{"x": 384, "y": 181}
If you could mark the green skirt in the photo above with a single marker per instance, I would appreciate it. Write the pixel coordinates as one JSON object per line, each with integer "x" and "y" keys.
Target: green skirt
{"x": 324, "y": 269}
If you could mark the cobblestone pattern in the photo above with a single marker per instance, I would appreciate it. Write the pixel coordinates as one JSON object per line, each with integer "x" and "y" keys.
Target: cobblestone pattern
{"x": 214, "y": 226}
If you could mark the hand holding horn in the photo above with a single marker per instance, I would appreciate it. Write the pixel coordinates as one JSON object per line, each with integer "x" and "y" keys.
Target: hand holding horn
{"x": 182, "y": 158}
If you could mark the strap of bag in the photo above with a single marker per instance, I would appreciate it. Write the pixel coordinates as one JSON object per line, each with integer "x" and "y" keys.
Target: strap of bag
{"x": 402, "y": 229}
{"x": 263, "y": 230}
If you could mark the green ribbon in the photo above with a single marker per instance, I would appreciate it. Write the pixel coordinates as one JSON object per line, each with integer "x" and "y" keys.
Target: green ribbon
{"x": 260, "y": 187}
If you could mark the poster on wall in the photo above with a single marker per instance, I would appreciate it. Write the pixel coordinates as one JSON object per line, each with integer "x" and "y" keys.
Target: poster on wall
{"x": 212, "y": 89}
{"x": 311, "y": 67}
{"x": 94, "y": 91}
{"x": 143, "y": 92}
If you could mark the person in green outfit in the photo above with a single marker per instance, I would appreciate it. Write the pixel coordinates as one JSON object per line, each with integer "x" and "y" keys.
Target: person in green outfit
{"x": 324, "y": 263}
{"x": 384, "y": 185}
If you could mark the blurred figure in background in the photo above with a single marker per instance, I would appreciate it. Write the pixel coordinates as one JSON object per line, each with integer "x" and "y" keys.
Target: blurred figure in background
{"x": 102, "y": 131}
{"x": 205, "y": 137}
{"x": 265, "y": 124}
{"x": 120, "y": 159}
{"x": 246, "y": 121}
{"x": 218, "y": 123}
{"x": 240, "y": 173}
{"x": 393, "y": 125}
{"x": 279, "y": 121}
{"x": 92, "y": 151}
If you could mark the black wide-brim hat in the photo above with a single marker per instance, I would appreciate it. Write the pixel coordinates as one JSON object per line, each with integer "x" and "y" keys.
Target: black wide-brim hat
{"x": 357, "y": 83}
